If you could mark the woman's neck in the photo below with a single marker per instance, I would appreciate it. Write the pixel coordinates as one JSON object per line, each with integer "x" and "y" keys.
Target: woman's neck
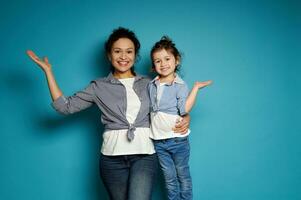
{"x": 121, "y": 75}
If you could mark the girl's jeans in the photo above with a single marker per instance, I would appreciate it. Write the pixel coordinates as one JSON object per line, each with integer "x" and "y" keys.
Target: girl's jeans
{"x": 129, "y": 177}
{"x": 173, "y": 157}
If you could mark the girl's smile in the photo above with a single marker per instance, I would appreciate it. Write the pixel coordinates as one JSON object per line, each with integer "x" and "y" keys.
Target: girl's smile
{"x": 165, "y": 64}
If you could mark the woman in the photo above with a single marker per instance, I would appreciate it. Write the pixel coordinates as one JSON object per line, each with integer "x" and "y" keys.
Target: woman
{"x": 128, "y": 162}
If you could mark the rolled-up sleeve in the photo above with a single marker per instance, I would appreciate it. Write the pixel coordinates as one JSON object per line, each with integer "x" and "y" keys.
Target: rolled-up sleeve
{"x": 182, "y": 95}
{"x": 77, "y": 102}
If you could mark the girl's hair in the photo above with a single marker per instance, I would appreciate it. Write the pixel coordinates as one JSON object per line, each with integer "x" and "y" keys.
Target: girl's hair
{"x": 118, "y": 33}
{"x": 167, "y": 44}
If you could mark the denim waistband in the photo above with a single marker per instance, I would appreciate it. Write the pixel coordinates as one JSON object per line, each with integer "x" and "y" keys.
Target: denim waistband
{"x": 176, "y": 139}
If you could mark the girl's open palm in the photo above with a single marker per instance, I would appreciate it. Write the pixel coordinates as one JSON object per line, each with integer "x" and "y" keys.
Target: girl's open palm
{"x": 200, "y": 85}
{"x": 42, "y": 63}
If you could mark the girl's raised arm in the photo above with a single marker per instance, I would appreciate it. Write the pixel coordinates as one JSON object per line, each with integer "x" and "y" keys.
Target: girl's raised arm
{"x": 193, "y": 94}
{"x": 46, "y": 67}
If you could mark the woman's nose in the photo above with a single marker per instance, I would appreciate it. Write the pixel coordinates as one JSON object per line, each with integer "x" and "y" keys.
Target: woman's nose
{"x": 123, "y": 56}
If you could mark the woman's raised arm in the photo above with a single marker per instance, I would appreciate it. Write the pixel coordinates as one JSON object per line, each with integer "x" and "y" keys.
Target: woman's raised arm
{"x": 46, "y": 67}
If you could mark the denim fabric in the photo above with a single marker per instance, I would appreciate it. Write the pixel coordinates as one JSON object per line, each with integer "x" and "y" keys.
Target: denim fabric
{"x": 173, "y": 157}
{"x": 129, "y": 177}
{"x": 173, "y": 98}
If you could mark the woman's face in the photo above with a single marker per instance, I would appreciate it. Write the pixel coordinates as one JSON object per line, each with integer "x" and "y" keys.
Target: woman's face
{"x": 122, "y": 55}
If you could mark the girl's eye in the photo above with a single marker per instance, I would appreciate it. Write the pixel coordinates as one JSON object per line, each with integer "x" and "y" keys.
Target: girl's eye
{"x": 116, "y": 51}
{"x": 157, "y": 61}
{"x": 130, "y": 52}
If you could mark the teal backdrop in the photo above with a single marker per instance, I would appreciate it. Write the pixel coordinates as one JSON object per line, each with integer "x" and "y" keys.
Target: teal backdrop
{"x": 246, "y": 132}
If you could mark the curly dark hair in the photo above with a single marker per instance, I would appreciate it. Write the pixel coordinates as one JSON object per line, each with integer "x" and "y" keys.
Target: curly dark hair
{"x": 167, "y": 44}
{"x": 121, "y": 32}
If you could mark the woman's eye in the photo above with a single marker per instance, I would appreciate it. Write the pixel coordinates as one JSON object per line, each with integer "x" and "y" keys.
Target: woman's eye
{"x": 116, "y": 51}
{"x": 130, "y": 52}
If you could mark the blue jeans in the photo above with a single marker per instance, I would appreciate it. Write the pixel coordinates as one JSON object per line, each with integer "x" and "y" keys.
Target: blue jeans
{"x": 173, "y": 157}
{"x": 129, "y": 177}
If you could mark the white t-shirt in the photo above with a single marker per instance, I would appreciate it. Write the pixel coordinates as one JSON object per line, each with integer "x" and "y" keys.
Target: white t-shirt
{"x": 115, "y": 142}
{"x": 162, "y": 123}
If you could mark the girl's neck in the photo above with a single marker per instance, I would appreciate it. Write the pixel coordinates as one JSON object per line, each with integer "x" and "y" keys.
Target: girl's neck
{"x": 122, "y": 75}
{"x": 167, "y": 79}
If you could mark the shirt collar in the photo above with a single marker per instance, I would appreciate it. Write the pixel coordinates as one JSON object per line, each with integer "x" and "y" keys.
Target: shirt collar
{"x": 112, "y": 79}
{"x": 177, "y": 79}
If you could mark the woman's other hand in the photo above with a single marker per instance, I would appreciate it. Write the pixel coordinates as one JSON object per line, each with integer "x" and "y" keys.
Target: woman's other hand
{"x": 42, "y": 63}
{"x": 182, "y": 125}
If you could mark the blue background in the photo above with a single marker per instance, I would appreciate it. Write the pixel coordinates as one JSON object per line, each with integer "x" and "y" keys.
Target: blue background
{"x": 245, "y": 140}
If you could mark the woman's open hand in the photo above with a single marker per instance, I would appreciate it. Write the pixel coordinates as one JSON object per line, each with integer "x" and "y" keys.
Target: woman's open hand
{"x": 42, "y": 63}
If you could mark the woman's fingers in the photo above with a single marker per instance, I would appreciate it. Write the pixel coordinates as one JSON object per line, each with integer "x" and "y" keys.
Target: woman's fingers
{"x": 35, "y": 58}
{"x": 181, "y": 129}
{"x": 182, "y": 126}
{"x": 43, "y": 63}
{"x": 32, "y": 55}
{"x": 46, "y": 60}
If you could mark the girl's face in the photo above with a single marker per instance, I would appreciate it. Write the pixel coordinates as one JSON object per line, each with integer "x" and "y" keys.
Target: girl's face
{"x": 122, "y": 55}
{"x": 165, "y": 63}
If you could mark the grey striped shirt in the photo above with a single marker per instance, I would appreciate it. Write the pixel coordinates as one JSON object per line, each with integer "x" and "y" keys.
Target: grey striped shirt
{"x": 109, "y": 95}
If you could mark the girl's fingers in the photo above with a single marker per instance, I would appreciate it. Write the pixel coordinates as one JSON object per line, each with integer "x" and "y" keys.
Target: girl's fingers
{"x": 207, "y": 82}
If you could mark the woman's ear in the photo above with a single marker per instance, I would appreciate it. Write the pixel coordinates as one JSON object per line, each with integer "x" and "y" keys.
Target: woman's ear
{"x": 109, "y": 57}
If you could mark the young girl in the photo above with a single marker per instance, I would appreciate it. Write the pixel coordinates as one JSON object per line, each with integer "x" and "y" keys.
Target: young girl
{"x": 169, "y": 102}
